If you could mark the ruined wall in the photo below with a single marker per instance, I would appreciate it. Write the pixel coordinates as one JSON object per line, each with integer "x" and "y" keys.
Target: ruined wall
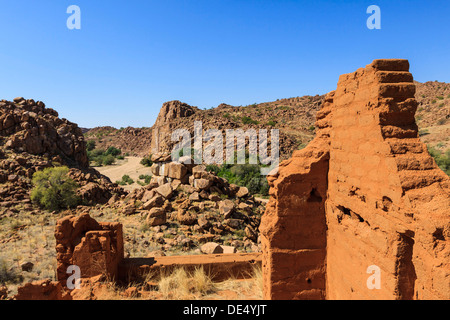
{"x": 386, "y": 200}
{"x": 293, "y": 229}
{"x": 96, "y": 248}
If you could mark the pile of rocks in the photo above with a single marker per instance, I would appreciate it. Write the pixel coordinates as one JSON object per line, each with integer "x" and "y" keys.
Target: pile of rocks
{"x": 32, "y": 138}
{"x": 205, "y": 207}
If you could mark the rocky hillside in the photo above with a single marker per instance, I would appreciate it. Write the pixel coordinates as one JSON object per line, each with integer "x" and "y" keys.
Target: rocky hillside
{"x": 33, "y": 137}
{"x": 294, "y": 117}
{"x": 433, "y": 114}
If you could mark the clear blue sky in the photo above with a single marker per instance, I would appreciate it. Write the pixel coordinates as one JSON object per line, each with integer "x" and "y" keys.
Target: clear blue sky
{"x": 131, "y": 56}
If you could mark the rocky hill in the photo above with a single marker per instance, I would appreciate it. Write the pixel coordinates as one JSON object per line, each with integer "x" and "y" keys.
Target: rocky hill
{"x": 433, "y": 113}
{"x": 33, "y": 137}
{"x": 294, "y": 117}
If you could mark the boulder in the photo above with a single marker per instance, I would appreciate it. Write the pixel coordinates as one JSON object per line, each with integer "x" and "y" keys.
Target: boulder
{"x": 194, "y": 197}
{"x": 176, "y": 170}
{"x": 242, "y": 192}
{"x": 228, "y": 249}
{"x": 226, "y": 208}
{"x": 211, "y": 248}
{"x": 27, "y": 266}
{"x": 129, "y": 210}
{"x": 202, "y": 184}
{"x": 156, "y": 201}
{"x": 165, "y": 190}
{"x": 156, "y": 217}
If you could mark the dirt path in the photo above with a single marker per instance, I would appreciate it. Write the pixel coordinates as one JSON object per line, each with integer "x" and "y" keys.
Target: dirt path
{"x": 130, "y": 166}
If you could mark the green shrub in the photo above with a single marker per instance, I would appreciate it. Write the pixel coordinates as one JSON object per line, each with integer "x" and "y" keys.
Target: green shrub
{"x": 442, "y": 159}
{"x": 113, "y": 151}
{"x": 271, "y": 123}
{"x": 246, "y": 175}
{"x": 90, "y": 145}
{"x": 147, "y": 161}
{"x": 104, "y": 158}
{"x": 440, "y": 97}
{"x": 248, "y": 120}
{"x": 146, "y": 178}
{"x": 312, "y": 128}
{"x": 127, "y": 179}
{"x": 54, "y": 189}
{"x": 108, "y": 160}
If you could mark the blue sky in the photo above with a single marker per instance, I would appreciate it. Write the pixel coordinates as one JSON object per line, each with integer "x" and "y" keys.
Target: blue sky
{"x": 131, "y": 56}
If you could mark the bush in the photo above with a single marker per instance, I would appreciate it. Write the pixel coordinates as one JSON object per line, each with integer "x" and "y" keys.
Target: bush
{"x": 126, "y": 179}
{"x": 271, "y": 123}
{"x": 104, "y": 158}
{"x": 108, "y": 160}
{"x": 147, "y": 161}
{"x": 54, "y": 189}
{"x": 113, "y": 151}
{"x": 246, "y": 175}
{"x": 442, "y": 159}
{"x": 248, "y": 120}
{"x": 90, "y": 145}
{"x": 146, "y": 178}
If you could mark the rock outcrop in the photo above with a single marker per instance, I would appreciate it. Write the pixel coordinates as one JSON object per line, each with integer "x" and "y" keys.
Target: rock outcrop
{"x": 28, "y": 126}
{"x": 364, "y": 195}
{"x": 32, "y": 138}
{"x": 43, "y": 290}
{"x": 206, "y": 207}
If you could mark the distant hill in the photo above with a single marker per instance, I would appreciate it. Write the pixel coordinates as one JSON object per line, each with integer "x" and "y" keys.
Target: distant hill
{"x": 294, "y": 117}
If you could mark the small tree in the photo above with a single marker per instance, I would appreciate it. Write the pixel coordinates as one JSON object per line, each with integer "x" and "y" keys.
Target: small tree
{"x": 54, "y": 189}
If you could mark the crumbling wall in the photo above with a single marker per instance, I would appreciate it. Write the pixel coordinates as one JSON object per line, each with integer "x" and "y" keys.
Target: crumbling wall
{"x": 386, "y": 200}
{"x": 96, "y": 248}
{"x": 293, "y": 229}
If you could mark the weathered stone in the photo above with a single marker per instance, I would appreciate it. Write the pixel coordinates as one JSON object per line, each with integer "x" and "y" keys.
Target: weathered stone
{"x": 226, "y": 208}
{"x": 27, "y": 266}
{"x": 228, "y": 249}
{"x": 194, "y": 196}
{"x": 202, "y": 184}
{"x": 356, "y": 198}
{"x": 242, "y": 192}
{"x": 156, "y": 217}
{"x": 211, "y": 248}
{"x": 176, "y": 170}
{"x": 165, "y": 190}
{"x": 129, "y": 210}
{"x": 42, "y": 290}
{"x": 156, "y": 201}
{"x": 154, "y": 169}
{"x": 96, "y": 248}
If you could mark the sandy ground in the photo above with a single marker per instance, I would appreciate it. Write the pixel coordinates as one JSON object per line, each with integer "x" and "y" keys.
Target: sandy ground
{"x": 130, "y": 166}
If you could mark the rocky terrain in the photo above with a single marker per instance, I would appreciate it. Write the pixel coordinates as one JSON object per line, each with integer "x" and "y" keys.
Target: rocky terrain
{"x": 185, "y": 209}
{"x": 33, "y": 137}
{"x": 294, "y": 117}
